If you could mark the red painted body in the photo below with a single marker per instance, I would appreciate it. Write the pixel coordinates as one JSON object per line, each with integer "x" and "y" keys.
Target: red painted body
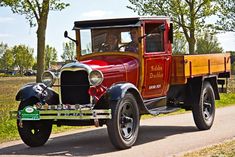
{"x": 116, "y": 68}
{"x": 148, "y": 70}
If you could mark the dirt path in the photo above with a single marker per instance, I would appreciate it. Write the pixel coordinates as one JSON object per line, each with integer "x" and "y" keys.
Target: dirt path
{"x": 160, "y": 136}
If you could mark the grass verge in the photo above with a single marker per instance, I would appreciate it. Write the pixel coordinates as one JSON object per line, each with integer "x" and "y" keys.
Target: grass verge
{"x": 226, "y": 149}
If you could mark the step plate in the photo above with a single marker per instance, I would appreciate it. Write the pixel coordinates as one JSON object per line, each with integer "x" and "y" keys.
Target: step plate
{"x": 163, "y": 110}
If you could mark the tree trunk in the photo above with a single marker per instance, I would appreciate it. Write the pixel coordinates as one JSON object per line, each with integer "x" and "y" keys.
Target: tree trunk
{"x": 41, "y": 33}
{"x": 191, "y": 46}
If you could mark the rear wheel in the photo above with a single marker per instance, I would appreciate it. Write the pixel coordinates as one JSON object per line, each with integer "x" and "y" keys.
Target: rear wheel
{"x": 33, "y": 133}
{"x": 204, "y": 112}
{"x": 123, "y": 128}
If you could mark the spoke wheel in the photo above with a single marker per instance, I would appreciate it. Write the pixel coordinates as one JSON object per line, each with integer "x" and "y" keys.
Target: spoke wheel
{"x": 123, "y": 128}
{"x": 204, "y": 112}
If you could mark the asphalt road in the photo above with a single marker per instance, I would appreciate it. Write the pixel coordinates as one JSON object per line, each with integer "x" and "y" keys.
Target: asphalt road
{"x": 160, "y": 136}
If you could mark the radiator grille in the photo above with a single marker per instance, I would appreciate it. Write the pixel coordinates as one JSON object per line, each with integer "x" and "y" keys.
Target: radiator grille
{"x": 74, "y": 87}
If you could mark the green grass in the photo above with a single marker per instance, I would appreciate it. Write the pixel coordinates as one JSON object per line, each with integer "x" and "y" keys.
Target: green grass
{"x": 226, "y": 149}
{"x": 226, "y": 100}
{"x": 10, "y": 86}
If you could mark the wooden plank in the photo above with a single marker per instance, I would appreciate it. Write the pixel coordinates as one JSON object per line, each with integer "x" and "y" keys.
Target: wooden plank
{"x": 188, "y": 66}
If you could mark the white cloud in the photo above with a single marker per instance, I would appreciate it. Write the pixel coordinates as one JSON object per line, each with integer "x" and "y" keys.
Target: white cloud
{"x": 96, "y": 14}
{"x": 6, "y": 19}
{"x": 2, "y": 35}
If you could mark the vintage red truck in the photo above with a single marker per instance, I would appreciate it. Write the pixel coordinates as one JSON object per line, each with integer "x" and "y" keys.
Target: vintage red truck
{"x": 124, "y": 69}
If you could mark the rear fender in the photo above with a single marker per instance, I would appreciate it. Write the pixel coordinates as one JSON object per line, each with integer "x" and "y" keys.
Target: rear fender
{"x": 194, "y": 89}
{"x": 39, "y": 91}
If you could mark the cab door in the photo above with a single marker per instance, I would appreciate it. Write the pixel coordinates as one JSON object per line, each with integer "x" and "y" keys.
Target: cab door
{"x": 157, "y": 60}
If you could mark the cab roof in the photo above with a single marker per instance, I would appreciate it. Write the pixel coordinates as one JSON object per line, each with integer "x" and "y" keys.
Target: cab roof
{"x": 116, "y": 22}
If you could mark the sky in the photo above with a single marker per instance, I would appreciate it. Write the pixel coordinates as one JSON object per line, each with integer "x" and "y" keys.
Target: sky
{"x": 15, "y": 29}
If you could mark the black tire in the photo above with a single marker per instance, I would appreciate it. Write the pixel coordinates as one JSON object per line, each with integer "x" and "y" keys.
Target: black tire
{"x": 123, "y": 128}
{"x": 34, "y": 133}
{"x": 204, "y": 112}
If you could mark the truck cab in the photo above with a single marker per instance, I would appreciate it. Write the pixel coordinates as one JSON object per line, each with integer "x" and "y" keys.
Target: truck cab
{"x": 124, "y": 68}
{"x": 146, "y": 66}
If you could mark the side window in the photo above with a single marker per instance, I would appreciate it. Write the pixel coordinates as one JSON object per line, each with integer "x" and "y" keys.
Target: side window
{"x": 154, "y": 38}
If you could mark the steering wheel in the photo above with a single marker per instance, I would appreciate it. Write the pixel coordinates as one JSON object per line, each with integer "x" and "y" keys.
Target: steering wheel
{"x": 103, "y": 47}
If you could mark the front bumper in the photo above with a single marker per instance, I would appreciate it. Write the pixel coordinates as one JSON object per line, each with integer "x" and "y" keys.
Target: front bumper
{"x": 32, "y": 113}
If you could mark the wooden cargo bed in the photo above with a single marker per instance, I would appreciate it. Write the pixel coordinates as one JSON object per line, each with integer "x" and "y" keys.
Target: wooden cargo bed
{"x": 189, "y": 66}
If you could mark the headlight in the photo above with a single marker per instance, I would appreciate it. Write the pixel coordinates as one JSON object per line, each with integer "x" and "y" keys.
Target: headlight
{"x": 48, "y": 78}
{"x": 96, "y": 77}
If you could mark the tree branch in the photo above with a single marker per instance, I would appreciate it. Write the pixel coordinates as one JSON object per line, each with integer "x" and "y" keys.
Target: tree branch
{"x": 33, "y": 9}
{"x": 38, "y": 6}
{"x": 199, "y": 7}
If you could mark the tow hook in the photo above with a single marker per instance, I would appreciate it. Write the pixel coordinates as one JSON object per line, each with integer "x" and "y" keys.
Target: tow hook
{"x": 96, "y": 121}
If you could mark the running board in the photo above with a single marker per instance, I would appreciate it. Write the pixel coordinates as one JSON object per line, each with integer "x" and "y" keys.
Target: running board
{"x": 163, "y": 110}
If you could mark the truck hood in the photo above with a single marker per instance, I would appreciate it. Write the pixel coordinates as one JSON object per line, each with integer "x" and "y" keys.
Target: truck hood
{"x": 115, "y": 68}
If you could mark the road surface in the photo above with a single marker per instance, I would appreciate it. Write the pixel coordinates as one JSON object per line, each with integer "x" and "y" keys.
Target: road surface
{"x": 160, "y": 136}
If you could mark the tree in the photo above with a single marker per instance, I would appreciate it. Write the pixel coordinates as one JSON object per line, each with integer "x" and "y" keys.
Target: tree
{"x": 208, "y": 43}
{"x": 3, "y": 48}
{"x": 36, "y": 12}
{"x": 50, "y": 56}
{"x": 23, "y": 57}
{"x": 69, "y": 51}
{"x": 7, "y": 60}
{"x": 179, "y": 46}
{"x": 187, "y": 15}
{"x": 227, "y": 15}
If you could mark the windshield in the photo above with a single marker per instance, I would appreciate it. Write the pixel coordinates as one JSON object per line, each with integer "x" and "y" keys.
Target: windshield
{"x": 109, "y": 40}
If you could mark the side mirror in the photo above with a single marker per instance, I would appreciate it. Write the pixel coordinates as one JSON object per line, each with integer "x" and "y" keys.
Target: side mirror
{"x": 66, "y": 34}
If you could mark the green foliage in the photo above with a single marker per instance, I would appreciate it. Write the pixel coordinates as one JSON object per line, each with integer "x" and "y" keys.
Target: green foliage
{"x": 19, "y": 56}
{"x": 208, "y": 43}
{"x": 69, "y": 51}
{"x": 179, "y": 46}
{"x": 36, "y": 12}
{"x": 3, "y": 48}
{"x": 188, "y": 16}
{"x": 23, "y": 57}
{"x": 33, "y": 9}
{"x": 227, "y": 15}
{"x": 50, "y": 55}
{"x": 7, "y": 60}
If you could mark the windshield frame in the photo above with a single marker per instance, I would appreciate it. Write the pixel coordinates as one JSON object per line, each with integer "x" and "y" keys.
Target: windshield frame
{"x": 98, "y": 31}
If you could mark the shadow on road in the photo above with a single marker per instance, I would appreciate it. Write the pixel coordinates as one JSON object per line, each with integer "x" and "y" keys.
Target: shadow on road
{"x": 93, "y": 142}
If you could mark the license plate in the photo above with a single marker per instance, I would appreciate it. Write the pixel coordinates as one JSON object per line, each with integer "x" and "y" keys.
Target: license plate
{"x": 29, "y": 113}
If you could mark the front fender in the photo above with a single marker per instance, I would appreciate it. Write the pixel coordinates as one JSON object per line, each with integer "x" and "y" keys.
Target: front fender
{"x": 117, "y": 91}
{"x": 37, "y": 90}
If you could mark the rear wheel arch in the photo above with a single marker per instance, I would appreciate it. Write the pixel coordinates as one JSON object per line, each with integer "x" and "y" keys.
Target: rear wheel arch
{"x": 194, "y": 89}
{"x": 214, "y": 84}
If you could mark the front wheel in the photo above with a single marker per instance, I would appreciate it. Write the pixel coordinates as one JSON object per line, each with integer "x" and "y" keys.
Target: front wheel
{"x": 33, "y": 133}
{"x": 204, "y": 112}
{"x": 123, "y": 128}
